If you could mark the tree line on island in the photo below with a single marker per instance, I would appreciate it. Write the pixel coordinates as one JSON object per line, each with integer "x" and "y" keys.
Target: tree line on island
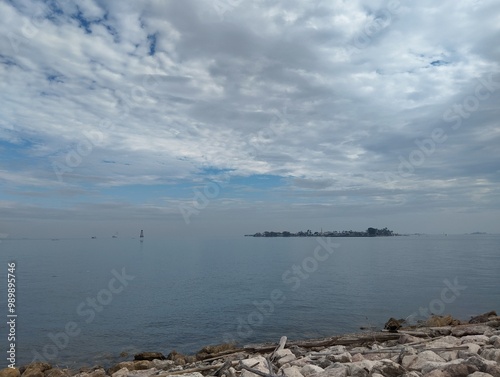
{"x": 370, "y": 232}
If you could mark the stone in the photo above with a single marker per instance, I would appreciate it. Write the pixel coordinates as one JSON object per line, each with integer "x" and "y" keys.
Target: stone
{"x": 424, "y": 358}
{"x": 192, "y": 374}
{"x": 411, "y": 374}
{"x": 479, "y": 374}
{"x": 360, "y": 368}
{"x": 150, "y": 356}
{"x": 485, "y": 317}
{"x": 143, "y": 365}
{"x": 257, "y": 362}
{"x": 339, "y": 370}
{"x": 292, "y": 372}
{"x": 491, "y": 354}
{"x": 123, "y": 372}
{"x": 478, "y": 339}
{"x": 357, "y": 357}
{"x": 460, "y": 370}
{"x": 308, "y": 370}
{"x": 437, "y": 373}
{"x": 393, "y": 324}
{"x": 36, "y": 369}
{"x": 163, "y": 364}
{"x": 129, "y": 365}
{"x": 388, "y": 368}
{"x": 10, "y": 372}
{"x": 405, "y": 339}
{"x": 336, "y": 349}
{"x": 342, "y": 358}
{"x": 440, "y": 321}
{"x": 469, "y": 330}
{"x": 494, "y": 370}
{"x": 57, "y": 372}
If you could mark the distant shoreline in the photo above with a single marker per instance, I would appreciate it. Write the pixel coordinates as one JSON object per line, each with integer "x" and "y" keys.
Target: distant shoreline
{"x": 370, "y": 232}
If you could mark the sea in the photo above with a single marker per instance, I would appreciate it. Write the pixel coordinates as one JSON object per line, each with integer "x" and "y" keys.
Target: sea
{"x": 86, "y": 302}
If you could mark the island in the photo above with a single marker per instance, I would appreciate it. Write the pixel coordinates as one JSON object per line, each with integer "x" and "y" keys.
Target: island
{"x": 370, "y": 232}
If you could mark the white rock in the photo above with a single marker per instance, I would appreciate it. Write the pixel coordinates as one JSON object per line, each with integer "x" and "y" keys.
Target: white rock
{"x": 342, "y": 358}
{"x": 194, "y": 374}
{"x": 408, "y": 360}
{"x": 308, "y": 370}
{"x": 478, "y": 339}
{"x": 124, "y": 372}
{"x": 469, "y": 330}
{"x": 121, "y": 373}
{"x": 450, "y": 340}
{"x": 339, "y": 370}
{"x": 336, "y": 349}
{"x": 479, "y": 374}
{"x": 358, "y": 368}
{"x": 357, "y": 357}
{"x": 292, "y": 372}
{"x": 491, "y": 354}
{"x": 261, "y": 365}
{"x": 161, "y": 364}
{"x": 424, "y": 358}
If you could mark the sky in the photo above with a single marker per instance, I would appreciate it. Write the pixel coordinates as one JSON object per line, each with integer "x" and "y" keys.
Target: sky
{"x": 223, "y": 117}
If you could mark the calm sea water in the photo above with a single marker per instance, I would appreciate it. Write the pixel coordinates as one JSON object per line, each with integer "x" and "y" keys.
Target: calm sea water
{"x": 72, "y": 308}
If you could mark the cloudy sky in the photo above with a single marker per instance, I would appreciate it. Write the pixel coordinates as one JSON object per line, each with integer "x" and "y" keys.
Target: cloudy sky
{"x": 240, "y": 116}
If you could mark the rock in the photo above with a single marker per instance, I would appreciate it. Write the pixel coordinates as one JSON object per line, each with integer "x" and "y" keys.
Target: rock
{"x": 342, "y": 358}
{"x": 261, "y": 365}
{"x": 324, "y": 363}
{"x": 424, "y": 359}
{"x": 479, "y": 339}
{"x": 388, "y": 368}
{"x": 36, "y": 369}
{"x": 150, "y": 356}
{"x": 129, "y": 365}
{"x": 292, "y": 372}
{"x": 193, "y": 374}
{"x": 357, "y": 357}
{"x": 411, "y": 374}
{"x": 284, "y": 356}
{"x": 360, "y": 368}
{"x": 336, "y": 350}
{"x": 483, "y": 317}
{"x": 123, "y": 372}
{"x": 308, "y": 370}
{"x": 494, "y": 370}
{"x": 495, "y": 340}
{"x": 339, "y": 370}
{"x": 460, "y": 370}
{"x": 57, "y": 372}
{"x": 163, "y": 364}
{"x": 491, "y": 354}
{"x": 97, "y": 372}
{"x": 405, "y": 339}
{"x": 479, "y": 374}
{"x": 440, "y": 321}
{"x": 440, "y": 331}
{"x": 469, "y": 330}
{"x": 393, "y": 324}
{"x": 10, "y": 372}
{"x": 437, "y": 373}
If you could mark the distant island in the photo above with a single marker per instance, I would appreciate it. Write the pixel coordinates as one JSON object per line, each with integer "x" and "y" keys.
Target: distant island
{"x": 370, "y": 232}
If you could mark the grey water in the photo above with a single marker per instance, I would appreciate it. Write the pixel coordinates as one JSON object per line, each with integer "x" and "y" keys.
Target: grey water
{"x": 84, "y": 301}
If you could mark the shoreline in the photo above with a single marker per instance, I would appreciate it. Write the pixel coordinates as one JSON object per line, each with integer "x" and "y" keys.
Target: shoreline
{"x": 439, "y": 347}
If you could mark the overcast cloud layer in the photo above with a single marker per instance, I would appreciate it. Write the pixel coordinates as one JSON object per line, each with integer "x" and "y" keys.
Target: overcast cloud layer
{"x": 242, "y": 116}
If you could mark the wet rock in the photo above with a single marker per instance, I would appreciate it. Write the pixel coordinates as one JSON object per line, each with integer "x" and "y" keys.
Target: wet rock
{"x": 150, "y": 356}
{"x": 394, "y": 324}
{"x": 129, "y": 365}
{"x": 469, "y": 330}
{"x": 36, "y": 369}
{"x": 10, "y": 372}
{"x": 485, "y": 317}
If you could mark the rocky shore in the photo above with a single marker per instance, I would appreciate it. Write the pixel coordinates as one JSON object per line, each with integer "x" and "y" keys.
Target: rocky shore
{"x": 440, "y": 347}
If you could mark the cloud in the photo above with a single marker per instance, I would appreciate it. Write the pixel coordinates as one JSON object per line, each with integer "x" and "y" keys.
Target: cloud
{"x": 331, "y": 97}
